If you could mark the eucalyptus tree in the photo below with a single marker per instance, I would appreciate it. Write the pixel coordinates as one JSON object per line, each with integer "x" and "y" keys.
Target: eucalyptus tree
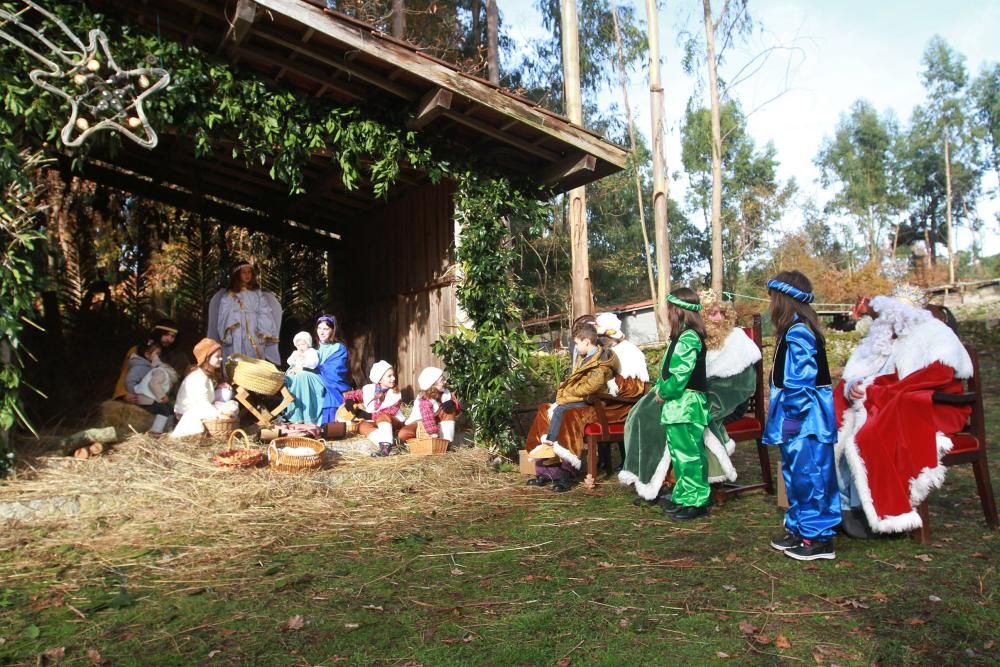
{"x": 732, "y": 19}
{"x": 858, "y": 161}
{"x": 985, "y": 90}
{"x": 945, "y": 80}
{"x": 752, "y": 197}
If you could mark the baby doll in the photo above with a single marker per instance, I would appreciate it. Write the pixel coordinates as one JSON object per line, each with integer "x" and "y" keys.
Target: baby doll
{"x": 304, "y": 356}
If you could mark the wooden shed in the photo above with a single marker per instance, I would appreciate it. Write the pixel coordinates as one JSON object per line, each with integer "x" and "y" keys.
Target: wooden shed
{"x": 299, "y": 45}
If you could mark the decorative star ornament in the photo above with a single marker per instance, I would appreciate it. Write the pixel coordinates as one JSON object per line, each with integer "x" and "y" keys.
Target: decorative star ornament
{"x": 102, "y": 96}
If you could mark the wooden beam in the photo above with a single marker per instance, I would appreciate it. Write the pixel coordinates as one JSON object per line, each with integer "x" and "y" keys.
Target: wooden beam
{"x": 354, "y": 70}
{"x": 346, "y": 90}
{"x": 382, "y": 49}
{"x": 181, "y": 198}
{"x": 494, "y": 132}
{"x": 433, "y": 105}
{"x": 571, "y": 172}
{"x": 239, "y": 27}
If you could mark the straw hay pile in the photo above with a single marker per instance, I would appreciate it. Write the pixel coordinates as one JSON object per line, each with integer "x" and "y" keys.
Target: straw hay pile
{"x": 165, "y": 492}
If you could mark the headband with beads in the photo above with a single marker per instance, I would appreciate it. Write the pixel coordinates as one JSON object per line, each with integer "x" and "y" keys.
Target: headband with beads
{"x": 791, "y": 290}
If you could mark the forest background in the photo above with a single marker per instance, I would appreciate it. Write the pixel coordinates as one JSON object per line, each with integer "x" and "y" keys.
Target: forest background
{"x": 874, "y": 212}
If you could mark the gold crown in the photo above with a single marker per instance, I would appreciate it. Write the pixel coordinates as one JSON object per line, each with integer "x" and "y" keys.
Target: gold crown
{"x": 910, "y": 294}
{"x": 709, "y": 295}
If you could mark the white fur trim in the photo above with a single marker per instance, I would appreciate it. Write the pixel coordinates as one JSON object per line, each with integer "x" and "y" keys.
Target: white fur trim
{"x": 731, "y": 447}
{"x": 904, "y": 339}
{"x": 737, "y": 352}
{"x": 566, "y": 455}
{"x": 651, "y": 489}
{"x": 928, "y": 479}
{"x": 931, "y": 341}
{"x": 631, "y": 361}
{"x": 612, "y": 387}
{"x": 718, "y": 450}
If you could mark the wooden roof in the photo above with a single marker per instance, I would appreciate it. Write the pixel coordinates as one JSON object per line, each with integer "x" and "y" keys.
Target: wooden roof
{"x": 297, "y": 44}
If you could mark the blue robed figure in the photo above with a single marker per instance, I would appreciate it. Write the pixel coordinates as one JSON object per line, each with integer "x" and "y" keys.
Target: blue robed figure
{"x": 319, "y": 394}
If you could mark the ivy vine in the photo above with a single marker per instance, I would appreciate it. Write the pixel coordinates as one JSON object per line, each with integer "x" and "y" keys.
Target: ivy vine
{"x": 488, "y": 360}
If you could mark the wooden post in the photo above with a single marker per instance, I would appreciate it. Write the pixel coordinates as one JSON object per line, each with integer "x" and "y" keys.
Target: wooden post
{"x": 660, "y": 220}
{"x": 713, "y": 87}
{"x": 582, "y": 297}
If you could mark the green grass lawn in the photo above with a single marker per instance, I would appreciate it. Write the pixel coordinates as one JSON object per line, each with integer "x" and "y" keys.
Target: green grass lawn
{"x": 520, "y": 576}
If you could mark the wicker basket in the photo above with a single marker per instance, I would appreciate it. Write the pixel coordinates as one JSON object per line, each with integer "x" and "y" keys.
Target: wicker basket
{"x": 239, "y": 457}
{"x": 220, "y": 428}
{"x": 258, "y": 376}
{"x": 285, "y": 462}
{"x": 427, "y": 446}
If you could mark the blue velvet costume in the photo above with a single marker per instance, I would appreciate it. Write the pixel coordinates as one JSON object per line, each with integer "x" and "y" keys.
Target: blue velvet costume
{"x": 801, "y": 392}
{"x": 318, "y": 395}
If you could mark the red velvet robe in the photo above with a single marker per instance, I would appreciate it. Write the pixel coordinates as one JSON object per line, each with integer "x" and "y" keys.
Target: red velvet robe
{"x": 891, "y": 442}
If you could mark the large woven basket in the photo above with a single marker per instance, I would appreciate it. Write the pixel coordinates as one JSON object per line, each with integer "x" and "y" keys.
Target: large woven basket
{"x": 286, "y": 462}
{"x": 258, "y": 376}
{"x": 220, "y": 428}
{"x": 239, "y": 457}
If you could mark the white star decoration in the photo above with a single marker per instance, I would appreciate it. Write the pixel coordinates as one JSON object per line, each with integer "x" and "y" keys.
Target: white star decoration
{"x": 102, "y": 96}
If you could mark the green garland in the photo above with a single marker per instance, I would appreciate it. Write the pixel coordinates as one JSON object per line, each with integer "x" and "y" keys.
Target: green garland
{"x": 207, "y": 99}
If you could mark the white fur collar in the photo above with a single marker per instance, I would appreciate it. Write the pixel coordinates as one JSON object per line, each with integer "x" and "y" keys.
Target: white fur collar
{"x": 737, "y": 352}
{"x": 931, "y": 341}
{"x": 632, "y": 361}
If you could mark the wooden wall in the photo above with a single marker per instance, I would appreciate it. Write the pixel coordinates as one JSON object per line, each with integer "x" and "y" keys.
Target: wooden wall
{"x": 399, "y": 292}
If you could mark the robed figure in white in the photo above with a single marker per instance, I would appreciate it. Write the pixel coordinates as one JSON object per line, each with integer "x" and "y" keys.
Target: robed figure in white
{"x": 245, "y": 318}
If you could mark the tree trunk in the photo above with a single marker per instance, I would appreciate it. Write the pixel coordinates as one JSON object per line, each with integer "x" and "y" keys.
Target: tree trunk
{"x": 476, "y": 9}
{"x": 622, "y": 81}
{"x": 947, "y": 209}
{"x": 582, "y": 297}
{"x": 713, "y": 88}
{"x": 660, "y": 221}
{"x": 398, "y": 19}
{"x": 493, "y": 41}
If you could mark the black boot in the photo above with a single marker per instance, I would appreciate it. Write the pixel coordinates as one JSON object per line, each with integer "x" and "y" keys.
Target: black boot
{"x": 384, "y": 449}
{"x": 538, "y": 480}
{"x": 854, "y": 524}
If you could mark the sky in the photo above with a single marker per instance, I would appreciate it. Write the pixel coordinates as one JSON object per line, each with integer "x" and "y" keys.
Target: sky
{"x": 840, "y": 51}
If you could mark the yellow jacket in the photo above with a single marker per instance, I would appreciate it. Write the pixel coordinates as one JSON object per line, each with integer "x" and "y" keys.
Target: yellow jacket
{"x": 590, "y": 376}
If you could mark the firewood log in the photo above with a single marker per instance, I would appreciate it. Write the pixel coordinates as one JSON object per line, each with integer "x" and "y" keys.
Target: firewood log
{"x": 82, "y": 453}
{"x": 84, "y": 438}
{"x": 95, "y": 449}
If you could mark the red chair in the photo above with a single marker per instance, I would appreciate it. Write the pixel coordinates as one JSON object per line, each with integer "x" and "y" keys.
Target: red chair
{"x": 969, "y": 447}
{"x": 750, "y": 427}
{"x": 602, "y": 431}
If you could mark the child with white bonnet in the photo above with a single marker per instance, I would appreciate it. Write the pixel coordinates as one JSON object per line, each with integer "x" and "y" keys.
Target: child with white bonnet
{"x": 435, "y": 407}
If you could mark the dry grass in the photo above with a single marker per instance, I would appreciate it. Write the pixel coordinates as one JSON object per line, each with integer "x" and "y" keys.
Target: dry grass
{"x": 169, "y": 493}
